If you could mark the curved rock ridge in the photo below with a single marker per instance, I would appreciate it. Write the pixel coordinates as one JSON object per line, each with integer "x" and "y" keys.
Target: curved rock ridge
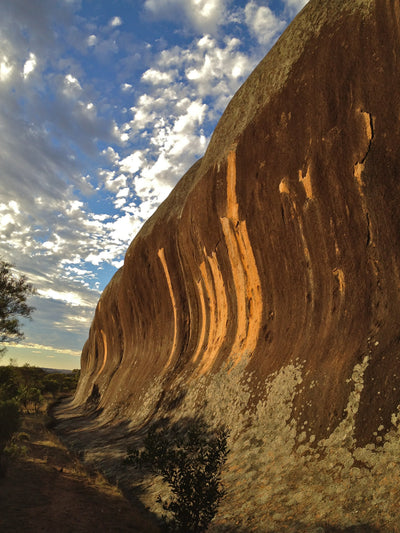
{"x": 264, "y": 293}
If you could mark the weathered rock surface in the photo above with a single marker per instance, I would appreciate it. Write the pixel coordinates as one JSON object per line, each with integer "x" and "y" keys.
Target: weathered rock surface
{"x": 265, "y": 292}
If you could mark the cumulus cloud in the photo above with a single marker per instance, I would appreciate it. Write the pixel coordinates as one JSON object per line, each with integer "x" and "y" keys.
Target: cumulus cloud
{"x": 263, "y": 23}
{"x": 203, "y": 15}
{"x": 157, "y": 77}
{"x": 132, "y": 163}
{"x": 174, "y": 118}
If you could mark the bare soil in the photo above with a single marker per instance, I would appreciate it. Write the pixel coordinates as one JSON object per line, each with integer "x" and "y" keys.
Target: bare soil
{"x": 47, "y": 489}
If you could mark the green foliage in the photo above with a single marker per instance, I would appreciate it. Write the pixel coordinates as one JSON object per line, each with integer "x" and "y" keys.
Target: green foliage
{"x": 30, "y": 376}
{"x": 14, "y": 292}
{"x": 9, "y": 421}
{"x": 191, "y": 465}
{"x": 55, "y": 382}
{"x": 9, "y": 386}
{"x": 30, "y": 396}
{"x": 51, "y": 385}
{"x": 15, "y": 449}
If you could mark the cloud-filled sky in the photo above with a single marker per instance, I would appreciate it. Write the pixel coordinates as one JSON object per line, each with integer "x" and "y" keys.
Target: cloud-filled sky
{"x": 104, "y": 104}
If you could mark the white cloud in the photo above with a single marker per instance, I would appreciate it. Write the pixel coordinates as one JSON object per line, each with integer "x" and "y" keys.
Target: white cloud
{"x": 72, "y": 88}
{"x": 122, "y": 193}
{"x": 203, "y": 15}
{"x": 92, "y": 40}
{"x": 29, "y": 65}
{"x": 124, "y": 228}
{"x": 47, "y": 348}
{"x": 172, "y": 115}
{"x": 263, "y": 23}
{"x": 194, "y": 115}
{"x": 14, "y": 206}
{"x": 5, "y": 68}
{"x": 115, "y": 21}
{"x": 132, "y": 163}
{"x": 111, "y": 154}
{"x": 156, "y": 77}
{"x": 126, "y": 87}
{"x": 71, "y": 298}
{"x": 157, "y": 169}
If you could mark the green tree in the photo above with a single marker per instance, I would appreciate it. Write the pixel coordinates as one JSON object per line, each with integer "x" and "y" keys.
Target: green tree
{"x": 191, "y": 465}
{"x": 14, "y": 292}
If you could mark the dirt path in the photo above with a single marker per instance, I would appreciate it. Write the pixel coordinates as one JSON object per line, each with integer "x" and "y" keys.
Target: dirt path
{"x": 49, "y": 490}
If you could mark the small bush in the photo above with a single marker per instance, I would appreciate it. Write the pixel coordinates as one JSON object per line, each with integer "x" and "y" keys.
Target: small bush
{"x": 15, "y": 450}
{"x": 191, "y": 465}
{"x": 30, "y": 396}
{"x": 9, "y": 421}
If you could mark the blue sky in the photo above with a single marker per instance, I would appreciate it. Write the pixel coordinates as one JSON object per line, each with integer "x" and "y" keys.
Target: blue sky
{"x": 103, "y": 107}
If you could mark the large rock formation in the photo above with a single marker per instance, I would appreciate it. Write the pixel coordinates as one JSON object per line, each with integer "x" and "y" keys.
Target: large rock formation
{"x": 265, "y": 292}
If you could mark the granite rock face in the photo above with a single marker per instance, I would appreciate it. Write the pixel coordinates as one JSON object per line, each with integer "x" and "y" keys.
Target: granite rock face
{"x": 264, "y": 293}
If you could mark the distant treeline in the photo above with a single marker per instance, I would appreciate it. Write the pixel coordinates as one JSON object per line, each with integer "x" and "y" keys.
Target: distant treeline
{"x": 30, "y": 384}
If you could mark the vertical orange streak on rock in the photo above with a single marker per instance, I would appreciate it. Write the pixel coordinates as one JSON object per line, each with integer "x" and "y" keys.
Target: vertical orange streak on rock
{"x": 254, "y": 302}
{"x": 161, "y": 255}
{"x": 218, "y": 316}
{"x": 239, "y": 280}
{"x": 306, "y": 181}
{"x": 203, "y": 320}
{"x": 232, "y": 208}
{"x": 104, "y": 357}
{"x": 208, "y": 283}
{"x": 246, "y": 279}
{"x": 212, "y": 289}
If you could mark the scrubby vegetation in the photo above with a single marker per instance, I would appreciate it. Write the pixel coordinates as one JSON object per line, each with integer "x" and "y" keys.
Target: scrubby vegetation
{"x": 190, "y": 461}
{"x": 25, "y": 390}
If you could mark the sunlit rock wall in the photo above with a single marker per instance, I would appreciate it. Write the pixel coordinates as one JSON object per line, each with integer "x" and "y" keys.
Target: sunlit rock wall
{"x": 264, "y": 292}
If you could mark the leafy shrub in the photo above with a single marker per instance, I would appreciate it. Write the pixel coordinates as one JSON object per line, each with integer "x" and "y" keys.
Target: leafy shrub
{"x": 51, "y": 385}
{"x": 9, "y": 423}
{"x": 30, "y": 396}
{"x": 14, "y": 450}
{"x": 191, "y": 465}
{"x": 9, "y": 420}
{"x": 8, "y": 383}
